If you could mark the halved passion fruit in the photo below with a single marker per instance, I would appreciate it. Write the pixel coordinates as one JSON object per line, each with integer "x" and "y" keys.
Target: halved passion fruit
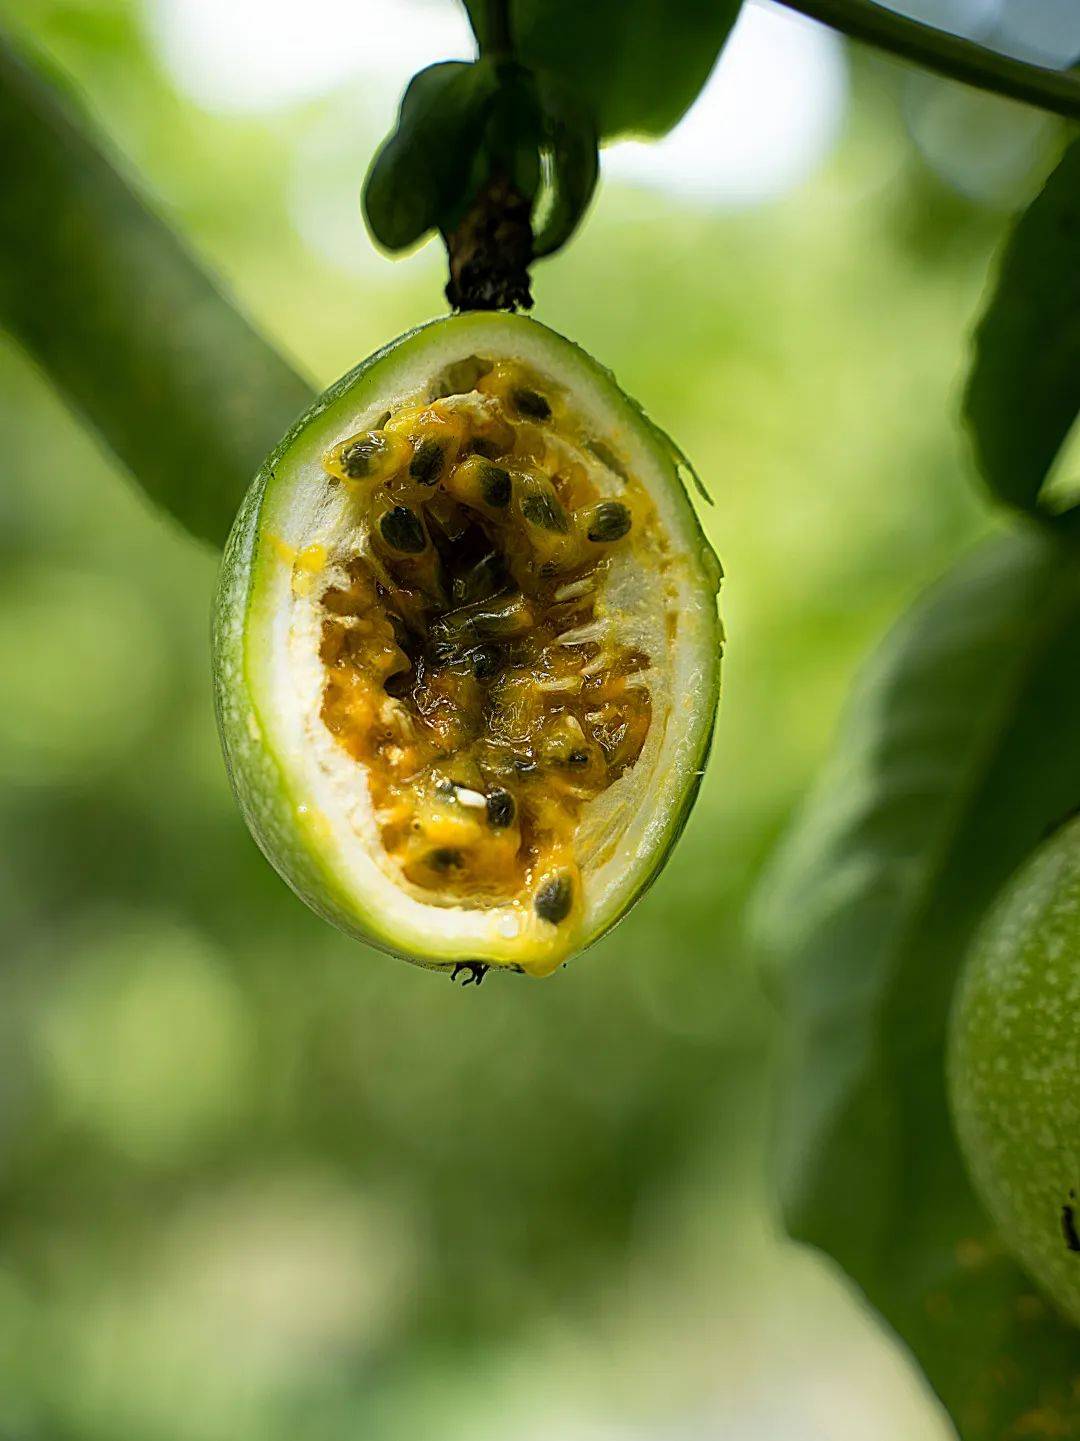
{"x": 467, "y": 649}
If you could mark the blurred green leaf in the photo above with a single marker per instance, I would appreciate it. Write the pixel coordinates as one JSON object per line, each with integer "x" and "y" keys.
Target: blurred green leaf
{"x": 571, "y": 144}
{"x": 1024, "y": 390}
{"x": 423, "y": 171}
{"x": 108, "y": 301}
{"x": 636, "y": 64}
{"x": 958, "y": 751}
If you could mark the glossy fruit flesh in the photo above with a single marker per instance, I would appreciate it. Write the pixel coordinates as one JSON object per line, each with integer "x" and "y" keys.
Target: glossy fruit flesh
{"x": 1015, "y": 1066}
{"x": 466, "y": 668}
{"x": 466, "y": 649}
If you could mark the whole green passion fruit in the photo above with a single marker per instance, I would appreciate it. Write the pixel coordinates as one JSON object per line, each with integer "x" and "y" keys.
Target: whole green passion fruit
{"x": 466, "y": 649}
{"x": 1014, "y": 1066}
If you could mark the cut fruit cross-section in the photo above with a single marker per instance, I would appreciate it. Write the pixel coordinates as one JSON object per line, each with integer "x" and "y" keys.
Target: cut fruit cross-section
{"x": 467, "y": 649}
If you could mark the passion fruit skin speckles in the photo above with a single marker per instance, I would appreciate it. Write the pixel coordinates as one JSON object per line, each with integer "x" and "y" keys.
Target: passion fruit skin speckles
{"x": 375, "y": 442}
{"x": 1014, "y": 1066}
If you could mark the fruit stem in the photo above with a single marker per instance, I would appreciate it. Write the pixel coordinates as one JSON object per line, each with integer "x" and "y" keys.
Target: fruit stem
{"x": 1055, "y": 90}
{"x": 490, "y": 250}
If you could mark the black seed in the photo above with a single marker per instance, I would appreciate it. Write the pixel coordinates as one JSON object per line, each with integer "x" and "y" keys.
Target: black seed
{"x": 401, "y": 529}
{"x": 486, "y": 660}
{"x": 578, "y": 758}
{"x": 397, "y": 686}
{"x": 609, "y": 521}
{"x": 495, "y": 486}
{"x": 426, "y": 465}
{"x": 531, "y": 403}
{"x": 488, "y": 447}
{"x": 358, "y": 459}
{"x": 501, "y": 809}
{"x": 545, "y": 511}
{"x": 444, "y": 859}
{"x": 553, "y": 900}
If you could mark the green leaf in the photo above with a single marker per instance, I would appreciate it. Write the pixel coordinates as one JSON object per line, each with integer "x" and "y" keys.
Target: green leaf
{"x": 107, "y": 300}
{"x": 1024, "y": 390}
{"x": 959, "y": 750}
{"x": 637, "y": 65}
{"x": 571, "y": 144}
{"x": 422, "y": 172}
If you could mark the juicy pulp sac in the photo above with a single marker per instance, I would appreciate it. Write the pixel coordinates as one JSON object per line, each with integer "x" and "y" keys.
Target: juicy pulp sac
{"x": 469, "y": 667}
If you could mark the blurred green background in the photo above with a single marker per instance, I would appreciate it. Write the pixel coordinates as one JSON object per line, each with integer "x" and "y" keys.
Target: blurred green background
{"x": 257, "y": 1181}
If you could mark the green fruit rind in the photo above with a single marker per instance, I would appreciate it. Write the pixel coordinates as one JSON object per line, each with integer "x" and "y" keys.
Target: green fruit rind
{"x": 1014, "y": 1066}
{"x": 253, "y": 588}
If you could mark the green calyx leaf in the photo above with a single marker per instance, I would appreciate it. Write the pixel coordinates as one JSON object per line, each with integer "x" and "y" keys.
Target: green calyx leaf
{"x": 460, "y": 125}
{"x": 423, "y": 172}
{"x": 571, "y": 146}
{"x": 958, "y": 754}
{"x": 1024, "y": 391}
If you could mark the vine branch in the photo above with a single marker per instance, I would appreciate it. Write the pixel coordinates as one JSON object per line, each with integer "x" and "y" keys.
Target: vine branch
{"x": 1055, "y": 90}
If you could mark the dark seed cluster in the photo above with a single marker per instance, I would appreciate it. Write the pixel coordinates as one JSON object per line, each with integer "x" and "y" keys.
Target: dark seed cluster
{"x": 482, "y": 565}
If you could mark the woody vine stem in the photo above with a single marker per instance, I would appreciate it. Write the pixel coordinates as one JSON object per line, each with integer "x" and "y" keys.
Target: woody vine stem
{"x": 491, "y": 248}
{"x": 1055, "y": 90}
